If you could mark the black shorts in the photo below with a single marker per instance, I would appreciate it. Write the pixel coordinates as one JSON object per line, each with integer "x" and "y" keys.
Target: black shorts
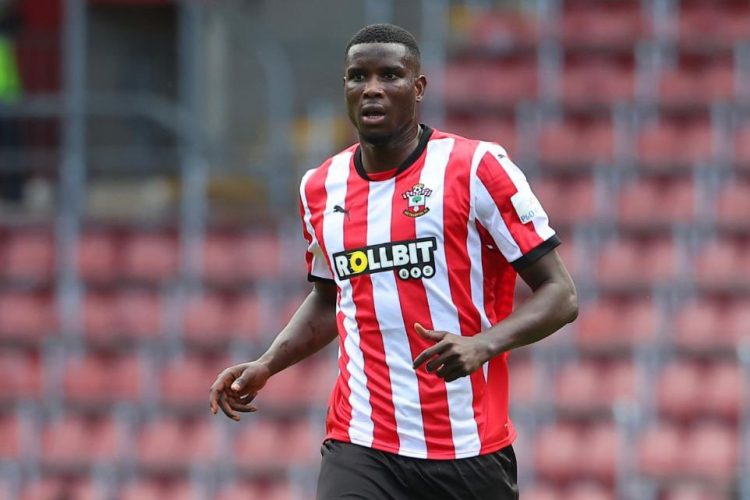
{"x": 349, "y": 471}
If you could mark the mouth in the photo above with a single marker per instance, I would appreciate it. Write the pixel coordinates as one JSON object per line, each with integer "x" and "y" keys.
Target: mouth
{"x": 373, "y": 114}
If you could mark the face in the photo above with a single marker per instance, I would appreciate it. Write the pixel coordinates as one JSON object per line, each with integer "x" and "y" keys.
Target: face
{"x": 382, "y": 86}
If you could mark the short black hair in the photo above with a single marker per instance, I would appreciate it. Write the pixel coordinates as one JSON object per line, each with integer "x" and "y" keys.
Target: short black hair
{"x": 387, "y": 33}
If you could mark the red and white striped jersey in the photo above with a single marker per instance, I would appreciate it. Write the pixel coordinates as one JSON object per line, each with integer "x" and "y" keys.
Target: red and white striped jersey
{"x": 437, "y": 243}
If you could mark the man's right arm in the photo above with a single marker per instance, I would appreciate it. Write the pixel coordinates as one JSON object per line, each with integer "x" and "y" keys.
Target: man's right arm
{"x": 311, "y": 328}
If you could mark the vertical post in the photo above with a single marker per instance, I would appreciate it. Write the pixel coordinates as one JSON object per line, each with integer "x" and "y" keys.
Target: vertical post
{"x": 72, "y": 166}
{"x": 434, "y": 20}
{"x": 192, "y": 161}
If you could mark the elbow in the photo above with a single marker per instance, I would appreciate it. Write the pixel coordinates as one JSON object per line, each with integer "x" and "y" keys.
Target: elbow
{"x": 570, "y": 304}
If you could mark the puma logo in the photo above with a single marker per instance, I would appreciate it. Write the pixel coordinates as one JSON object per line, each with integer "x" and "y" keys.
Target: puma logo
{"x": 338, "y": 209}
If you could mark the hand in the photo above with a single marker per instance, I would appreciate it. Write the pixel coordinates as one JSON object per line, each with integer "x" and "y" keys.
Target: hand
{"x": 236, "y": 387}
{"x": 453, "y": 356}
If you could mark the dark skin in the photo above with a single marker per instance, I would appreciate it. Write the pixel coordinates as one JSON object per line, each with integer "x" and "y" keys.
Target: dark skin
{"x": 382, "y": 87}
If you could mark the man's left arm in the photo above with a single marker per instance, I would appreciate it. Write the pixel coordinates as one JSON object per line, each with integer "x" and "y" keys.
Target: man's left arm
{"x": 553, "y": 304}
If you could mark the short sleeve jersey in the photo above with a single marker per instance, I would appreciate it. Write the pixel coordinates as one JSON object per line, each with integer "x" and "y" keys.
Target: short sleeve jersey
{"x": 439, "y": 242}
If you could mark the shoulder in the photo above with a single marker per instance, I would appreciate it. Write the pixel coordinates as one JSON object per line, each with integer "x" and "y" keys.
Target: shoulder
{"x": 315, "y": 177}
{"x": 472, "y": 151}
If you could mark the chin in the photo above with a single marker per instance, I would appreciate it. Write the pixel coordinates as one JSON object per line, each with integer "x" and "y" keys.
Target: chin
{"x": 376, "y": 138}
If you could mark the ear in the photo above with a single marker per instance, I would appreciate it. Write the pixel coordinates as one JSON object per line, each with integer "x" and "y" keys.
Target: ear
{"x": 421, "y": 85}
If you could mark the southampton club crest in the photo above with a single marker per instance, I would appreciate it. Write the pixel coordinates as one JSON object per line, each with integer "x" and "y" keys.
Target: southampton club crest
{"x": 416, "y": 200}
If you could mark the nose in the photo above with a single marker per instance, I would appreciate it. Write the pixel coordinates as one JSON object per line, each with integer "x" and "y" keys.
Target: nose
{"x": 373, "y": 88}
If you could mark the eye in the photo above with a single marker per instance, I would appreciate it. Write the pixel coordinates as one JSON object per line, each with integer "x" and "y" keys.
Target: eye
{"x": 390, "y": 75}
{"x": 356, "y": 77}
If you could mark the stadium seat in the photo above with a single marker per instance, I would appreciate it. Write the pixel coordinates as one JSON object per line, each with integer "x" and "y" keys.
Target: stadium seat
{"x": 244, "y": 317}
{"x": 737, "y": 321}
{"x": 675, "y": 143}
{"x": 742, "y": 147}
{"x": 557, "y": 452}
{"x": 20, "y": 377}
{"x": 266, "y": 444}
{"x": 162, "y": 445}
{"x": 184, "y": 382}
{"x": 661, "y": 450}
{"x": 125, "y": 315}
{"x": 611, "y": 324}
{"x": 204, "y": 320}
{"x": 28, "y": 256}
{"x": 733, "y": 205}
{"x": 722, "y": 391}
{"x": 53, "y": 488}
{"x": 620, "y": 263}
{"x": 700, "y": 81}
{"x": 259, "y": 256}
{"x": 526, "y": 381}
{"x": 102, "y": 379}
{"x": 657, "y": 202}
{"x": 219, "y": 258}
{"x": 25, "y": 317}
{"x": 592, "y": 80}
{"x": 576, "y": 387}
{"x": 698, "y": 326}
{"x": 567, "y": 200}
{"x": 79, "y": 442}
{"x": 497, "y": 82}
{"x": 159, "y": 489}
{"x": 542, "y": 491}
{"x": 589, "y": 491}
{"x": 308, "y": 383}
{"x": 711, "y": 23}
{"x": 711, "y": 452}
{"x": 613, "y": 24}
{"x": 149, "y": 258}
{"x": 11, "y": 437}
{"x": 692, "y": 491}
{"x": 98, "y": 257}
{"x": 494, "y": 128}
{"x": 501, "y": 30}
{"x": 576, "y": 142}
{"x": 722, "y": 263}
{"x": 601, "y": 442}
{"x": 679, "y": 390}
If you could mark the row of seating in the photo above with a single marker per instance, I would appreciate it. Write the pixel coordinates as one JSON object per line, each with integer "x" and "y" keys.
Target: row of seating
{"x": 593, "y": 24}
{"x": 671, "y": 143}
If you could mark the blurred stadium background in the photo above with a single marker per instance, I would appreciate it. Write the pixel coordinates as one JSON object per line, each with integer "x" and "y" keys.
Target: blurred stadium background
{"x": 149, "y": 155}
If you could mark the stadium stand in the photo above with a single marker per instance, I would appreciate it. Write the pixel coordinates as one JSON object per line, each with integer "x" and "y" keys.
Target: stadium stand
{"x": 631, "y": 119}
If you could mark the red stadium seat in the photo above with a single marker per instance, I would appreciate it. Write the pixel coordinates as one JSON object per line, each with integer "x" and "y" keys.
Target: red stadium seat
{"x": 610, "y": 24}
{"x": 28, "y": 256}
{"x": 245, "y": 317}
{"x": 79, "y": 442}
{"x": 556, "y": 452}
{"x": 499, "y": 30}
{"x": 576, "y": 386}
{"x": 49, "y": 488}
{"x": 526, "y": 381}
{"x": 600, "y": 462}
{"x": 97, "y": 257}
{"x": 20, "y": 377}
{"x": 11, "y": 437}
{"x": 567, "y": 200}
{"x": 661, "y": 451}
{"x": 733, "y": 205}
{"x": 698, "y": 326}
{"x": 722, "y": 396}
{"x": 185, "y": 382}
{"x": 620, "y": 263}
{"x": 304, "y": 384}
{"x": 742, "y": 147}
{"x": 25, "y": 317}
{"x": 122, "y": 316}
{"x": 589, "y": 491}
{"x": 159, "y": 489}
{"x": 691, "y": 491}
{"x": 204, "y": 320}
{"x": 495, "y": 82}
{"x": 617, "y": 324}
{"x": 542, "y": 492}
{"x": 499, "y": 129}
{"x": 259, "y": 256}
{"x": 721, "y": 263}
{"x": 737, "y": 322}
{"x": 150, "y": 258}
{"x": 601, "y": 80}
{"x": 712, "y": 23}
{"x": 679, "y": 390}
{"x": 711, "y": 452}
{"x": 170, "y": 444}
{"x": 675, "y": 143}
{"x": 266, "y": 444}
{"x": 576, "y": 142}
{"x": 102, "y": 379}
{"x": 219, "y": 258}
{"x": 657, "y": 202}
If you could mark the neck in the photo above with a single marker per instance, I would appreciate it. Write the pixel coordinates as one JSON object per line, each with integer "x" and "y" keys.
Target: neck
{"x": 382, "y": 157}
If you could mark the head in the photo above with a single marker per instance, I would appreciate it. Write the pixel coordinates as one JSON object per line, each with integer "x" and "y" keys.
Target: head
{"x": 382, "y": 82}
